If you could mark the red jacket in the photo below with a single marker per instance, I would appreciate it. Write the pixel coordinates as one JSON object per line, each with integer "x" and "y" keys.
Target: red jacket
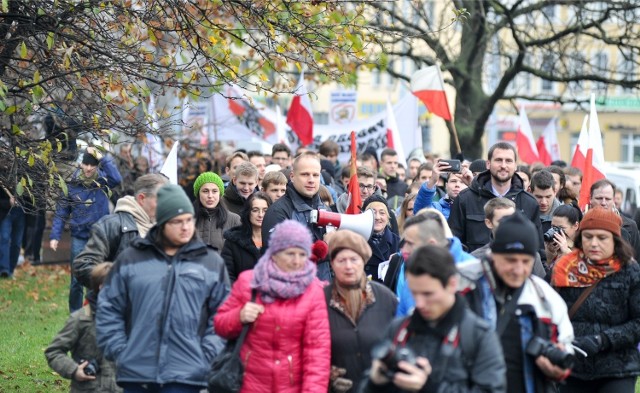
{"x": 288, "y": 348}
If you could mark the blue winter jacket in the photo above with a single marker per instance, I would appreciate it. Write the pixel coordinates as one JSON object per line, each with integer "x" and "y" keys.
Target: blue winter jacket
{"x": 85, "y": 205}
{"x": 406, "y": 302}
{"x": 155, "y": 312}
{"x": 425, "y": 199}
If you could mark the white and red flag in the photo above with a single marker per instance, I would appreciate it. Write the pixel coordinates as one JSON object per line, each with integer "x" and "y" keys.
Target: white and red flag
{"x": 547, "y": 144}
{"x": 580, "y": 153}
{"x": 300, "y": 115}
{"x": 527, "y": 149}
{"x": 393, "y": 134}
{"x": 427, "y": 84}
{"x": 594, "y": 161}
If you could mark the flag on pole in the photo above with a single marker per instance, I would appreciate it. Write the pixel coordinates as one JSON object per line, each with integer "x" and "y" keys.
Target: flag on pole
{"x": 355, "y": 199}
{"x": 153, "y": 148}
{"x": 547, "y": 144}
{"x": 580, "y": 153}
{"x": 527, "y": 149}
{"x": 427, "y": 84}
{"x": 594, "y": 160}
{"x": 393, "y": 134}
{"x": 170, "y": 166}
{"x": 300, "y": 115}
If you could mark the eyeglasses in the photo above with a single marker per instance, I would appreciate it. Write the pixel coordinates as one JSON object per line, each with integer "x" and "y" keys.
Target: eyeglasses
{"x": 367, "y": 186}
{"x": 180, "y": 223}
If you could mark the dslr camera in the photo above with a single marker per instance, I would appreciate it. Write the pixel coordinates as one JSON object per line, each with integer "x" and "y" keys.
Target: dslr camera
{"x": 541, "y": 347}
{"x": 390, "y": 355}
{"x": 92, "y": 369}
{"x": 549, "y": 235}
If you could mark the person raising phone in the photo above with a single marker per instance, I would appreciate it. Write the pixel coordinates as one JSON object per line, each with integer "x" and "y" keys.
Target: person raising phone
{"x": 452, "y": 172}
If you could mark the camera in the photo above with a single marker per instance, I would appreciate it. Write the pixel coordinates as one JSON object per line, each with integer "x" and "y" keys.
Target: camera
{"x": 549, "y": 235}
{"x": 541, "y": 347}
{"x": 390, "y": 355}
{"x": 454, "y": 166}
{"x": 92, "y": 368}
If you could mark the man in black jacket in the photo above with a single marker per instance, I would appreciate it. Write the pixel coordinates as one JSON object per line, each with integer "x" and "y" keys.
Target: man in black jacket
{"x": 388, "y": 169}
{"x": 455, "y": 350}
{"x": 112, "y": 234}
{"x": 499, "y": 180}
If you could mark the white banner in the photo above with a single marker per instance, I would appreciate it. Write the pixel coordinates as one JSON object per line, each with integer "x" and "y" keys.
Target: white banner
{"x": 343, "y": 107}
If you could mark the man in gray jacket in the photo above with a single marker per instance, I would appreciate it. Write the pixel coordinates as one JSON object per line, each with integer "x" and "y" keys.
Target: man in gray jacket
{"x": 112, "y": 234}
{"x": 155, "y": 311}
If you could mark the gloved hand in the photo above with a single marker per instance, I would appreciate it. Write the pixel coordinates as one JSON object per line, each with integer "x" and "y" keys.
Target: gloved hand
{"x": 591, "y": 344}
{"x": 339, "y": 384}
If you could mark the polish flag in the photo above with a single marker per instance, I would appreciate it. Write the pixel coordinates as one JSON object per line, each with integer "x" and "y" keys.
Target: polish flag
{"x": 393, "y": 134}
{"x": 580, "y": 153}
{"x": 547, "y": 144}
{"x": 300, "y": 115}
{"x": 527, "y": 149}
{"x": 355, "y": 198}
{"x": 594, "y": 160}
{"x": 427, "y": 84}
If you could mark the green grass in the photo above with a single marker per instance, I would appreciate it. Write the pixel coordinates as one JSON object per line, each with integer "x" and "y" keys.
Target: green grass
{"x": 33, "y": 308}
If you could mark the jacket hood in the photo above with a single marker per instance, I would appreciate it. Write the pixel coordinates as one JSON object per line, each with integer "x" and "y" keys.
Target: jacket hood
{"x": 238, "y": 235}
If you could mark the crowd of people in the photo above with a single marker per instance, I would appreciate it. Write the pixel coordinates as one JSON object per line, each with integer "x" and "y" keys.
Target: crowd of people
{"x": 482, "y": 278}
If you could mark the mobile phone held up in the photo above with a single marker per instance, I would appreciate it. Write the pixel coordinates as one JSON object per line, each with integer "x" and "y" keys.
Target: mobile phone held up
{"x": 454, "y": 166}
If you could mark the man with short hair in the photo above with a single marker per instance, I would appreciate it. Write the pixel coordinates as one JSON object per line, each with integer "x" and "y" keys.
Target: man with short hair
{"x": 389, "y": 170}
{"x": 155, "y": 311}
{"x": 367, "y": 183}
{"x": 242, "y": 185}
{"x": 602, "y": 194}
{"x": 453, "y": 186}
{"x": 413, "y": 165}
{"x": 499, "y": 180}
{"x": 257, "y": 159}
{"x": 274, "y": 184}
{"x": 455, "y": 350}
{"x": 232, "y": 162}
{"x": 573, "y": 178}
{"x": 522, "y": 308}
{"x": 330, "y": 150}
{"x": 132, "y": 218}
{"x": 543, "y": 188}
{"x": 560, "y": 181}
{"x": 299, "y": 200}
{"x": 281, "y": 155}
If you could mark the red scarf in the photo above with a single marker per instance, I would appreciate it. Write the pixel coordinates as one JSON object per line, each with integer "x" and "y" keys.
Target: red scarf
{"x": 575, "y": 270}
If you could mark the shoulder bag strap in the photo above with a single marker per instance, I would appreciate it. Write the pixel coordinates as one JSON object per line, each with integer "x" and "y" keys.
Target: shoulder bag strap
{"x": 245, "y": 330}
{"x": 583, "y": 296}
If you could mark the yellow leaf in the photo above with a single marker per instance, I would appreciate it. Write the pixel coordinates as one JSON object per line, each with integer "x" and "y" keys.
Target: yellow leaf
{"x": 263, "y": 77}
{"x": 213, "y": 40}
{"x": 23, "y": 50}
{"x": 299, "y": 66}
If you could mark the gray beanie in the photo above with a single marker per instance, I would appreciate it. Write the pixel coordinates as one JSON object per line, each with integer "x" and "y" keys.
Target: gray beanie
{"x": 172, "y": 202}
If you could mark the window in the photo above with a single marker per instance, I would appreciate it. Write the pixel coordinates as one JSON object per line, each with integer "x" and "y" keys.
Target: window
{"x": 600, "y": 67}
{"x": 547, "y": 68}
{"x": 626, "y": 68}
{"x": 576, "y": 68}
{"x": 630, "y": 148}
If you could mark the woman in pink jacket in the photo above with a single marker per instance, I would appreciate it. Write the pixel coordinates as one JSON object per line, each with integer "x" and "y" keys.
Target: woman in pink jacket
{"x": 288, "y": 347}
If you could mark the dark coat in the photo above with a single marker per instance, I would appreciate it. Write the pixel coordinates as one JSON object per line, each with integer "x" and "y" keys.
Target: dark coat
{"x": 232, "y": 200}
{"x": 352, "y": 342}
{"x": 632, "y": 236}
{"x": 239, "y": 252}
{"x": 467, "y": 212}
{"x": 396, "y": 187}
{"x": 611, "y": 310}
{"x": 292, "y": 206}
{"x": 475, "y": 365}
{"x": 382, "y": 247}
{"x": 111, "y": 235}
{"x": 5, "y": 204}
{"x": 155, "y": 312}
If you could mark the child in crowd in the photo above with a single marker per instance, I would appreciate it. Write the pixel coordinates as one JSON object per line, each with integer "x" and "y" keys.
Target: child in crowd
{"x": 86, "y": 368}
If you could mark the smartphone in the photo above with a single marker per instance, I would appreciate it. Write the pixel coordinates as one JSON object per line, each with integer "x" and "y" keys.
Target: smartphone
{"x": 454, "y": 166}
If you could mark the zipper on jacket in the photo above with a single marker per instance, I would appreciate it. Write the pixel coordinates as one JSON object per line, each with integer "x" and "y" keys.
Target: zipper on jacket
{"x": 246, "y": 359}
{"x": 290, "y": 360}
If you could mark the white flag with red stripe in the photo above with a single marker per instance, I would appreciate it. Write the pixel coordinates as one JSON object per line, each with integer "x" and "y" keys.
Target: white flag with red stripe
{"x": 594, "y": 160}
{"x": 300, "y": 115}
{"x": 427, "y": 84}
{"x": 548, "y": 147}
{"x": 527, "y": 150}
{"x": 393, "y": 134}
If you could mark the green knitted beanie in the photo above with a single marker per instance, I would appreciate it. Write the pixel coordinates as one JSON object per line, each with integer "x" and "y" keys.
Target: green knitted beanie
{"x": 172, "y": 202}
{"x": 208, "y": 177}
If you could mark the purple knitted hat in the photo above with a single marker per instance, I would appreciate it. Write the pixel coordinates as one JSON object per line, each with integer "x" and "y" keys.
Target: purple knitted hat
{"x": 289, "y": 233}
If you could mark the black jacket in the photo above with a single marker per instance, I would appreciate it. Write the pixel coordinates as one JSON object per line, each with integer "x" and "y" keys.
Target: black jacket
{"x": 5, "y": 204}
{"x": 395, "y": 187}
{"x": 239, "y": 252}
{"x": 382, "y": 247}
{"x": 111, "y": 235}
{"x": 476, "y": 364}
{"x": 611, "y": 310}
{"x": 292, "y": 206}
{"x": 632, "y": 236}
{"x": 232, "y": 200}
{"x": 467, "y": 212}
{"x": 352, "y": 342}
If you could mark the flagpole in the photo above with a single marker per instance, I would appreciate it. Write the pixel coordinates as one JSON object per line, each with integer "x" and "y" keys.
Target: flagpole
{"x": 455, "y": 135}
